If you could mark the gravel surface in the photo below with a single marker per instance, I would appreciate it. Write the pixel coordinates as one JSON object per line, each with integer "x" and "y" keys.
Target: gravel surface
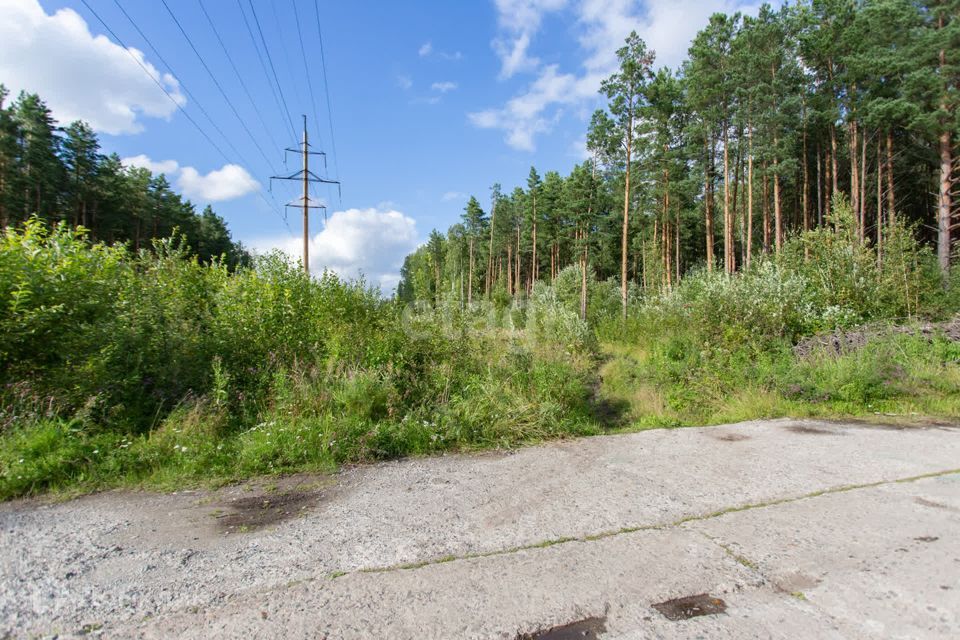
{"x": 801, "y": 528}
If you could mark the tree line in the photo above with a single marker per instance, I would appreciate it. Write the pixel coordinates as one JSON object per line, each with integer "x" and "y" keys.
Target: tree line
{"x": 59, "y": 174}
{"x": 770, "y": 121}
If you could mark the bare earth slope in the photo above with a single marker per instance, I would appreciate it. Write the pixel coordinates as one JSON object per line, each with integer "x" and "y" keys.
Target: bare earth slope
{"x": 787, "y": 529}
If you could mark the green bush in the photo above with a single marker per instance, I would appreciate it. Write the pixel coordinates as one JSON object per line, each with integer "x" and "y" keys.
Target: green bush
{"x": 123, "y": 367}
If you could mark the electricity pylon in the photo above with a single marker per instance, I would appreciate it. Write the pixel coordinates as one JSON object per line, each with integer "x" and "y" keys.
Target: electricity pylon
{"x": 306, "y": 177}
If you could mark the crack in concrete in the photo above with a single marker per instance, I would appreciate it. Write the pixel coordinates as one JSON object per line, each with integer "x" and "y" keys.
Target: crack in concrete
{"x": 649, "y": 527}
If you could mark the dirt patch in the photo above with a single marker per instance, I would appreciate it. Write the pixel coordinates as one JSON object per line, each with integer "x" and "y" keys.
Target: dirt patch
{"x": 808, "y": 430}
{"x": 730, "y": 437}
{"x": 842, "y": 342}
{"x": 610, "y": 413}
{"x": 586, "y": 629}
{"x": 927, "y": 539}
{"x": 688, "y": 607}
{"x": 256, "y": 512}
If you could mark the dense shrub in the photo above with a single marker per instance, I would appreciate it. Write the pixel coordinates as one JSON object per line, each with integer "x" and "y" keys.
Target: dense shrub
{"x": 152, "y": 365}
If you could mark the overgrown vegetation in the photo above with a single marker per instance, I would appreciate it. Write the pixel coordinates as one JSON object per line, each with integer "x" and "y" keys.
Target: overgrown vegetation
{"x": 719, "y": 348}
{"x": 154, "y": 367}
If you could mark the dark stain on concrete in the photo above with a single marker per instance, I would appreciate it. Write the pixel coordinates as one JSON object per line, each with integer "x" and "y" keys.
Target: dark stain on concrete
{"x": 730, "y": 437}
{"x": 586, "y": 629}
{"x": 809, "y": 430}
{"x": 256, "y": 512}
{"x": 702, "y": 604}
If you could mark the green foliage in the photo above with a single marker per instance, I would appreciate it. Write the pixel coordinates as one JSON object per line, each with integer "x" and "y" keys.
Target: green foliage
{"x": 720, "y": 348}
{"x": 551, "y": 318}
{"x": 154, "y": 367}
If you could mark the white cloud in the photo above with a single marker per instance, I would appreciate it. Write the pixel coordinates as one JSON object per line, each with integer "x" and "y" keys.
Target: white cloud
{"x": 519, "y": 21}
{"x": 578, "y": 149}
{"x": 453, "y": 195}
{"x": 404, "y": 82}
{"x": 667, "y": 26}
{"x": 79, "y": 75}
{"x": 168, "y": 167}
{"x": 525, "y": 115}
{"x": 443, "y": 87}
{"x": 229, "y": 182}
{"x": 368, "y": 242}
{"x": 426, "y": 50}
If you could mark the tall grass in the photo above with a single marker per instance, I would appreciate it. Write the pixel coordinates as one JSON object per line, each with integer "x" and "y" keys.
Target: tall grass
{"x": 151, "y": 367}
{"x": 718, "y": 348}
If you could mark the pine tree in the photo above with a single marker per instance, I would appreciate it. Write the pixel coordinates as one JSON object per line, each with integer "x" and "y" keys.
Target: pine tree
{"x": 625, "y": 90}
{"x": 474, "y": 222}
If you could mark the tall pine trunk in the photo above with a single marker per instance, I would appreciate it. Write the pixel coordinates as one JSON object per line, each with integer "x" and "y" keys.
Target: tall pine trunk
{"x": 666, "y": 217}
{"x": 819, "y": 187}
{"x": 766, "y": 209}
{"x": 728, "y": 260}
{"x": 854, "y": 179}
{"x": 806, "y": 183}
{"x": 777, "y": 205}
{"x": 509, "y": 268}
{"x": 493, "y": 218}
{"x": 944, "y": 205}
{"x": 708, "y": 205}
{"x": 677, "y": 250}
{"x": 470, "y": 281}
{"x": 891, "y": 200}
{"x": 750, "y": 198}
{"x": 834, "y": 185}
{"x": 879, "y": 204}
{"x": 863, "y": 187}
{"x": 534, "y": 268}
{"x": 626, "y": 220}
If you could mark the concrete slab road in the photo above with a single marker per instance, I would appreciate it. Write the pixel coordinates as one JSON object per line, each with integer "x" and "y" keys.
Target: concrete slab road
{"x": 773, "y": 529}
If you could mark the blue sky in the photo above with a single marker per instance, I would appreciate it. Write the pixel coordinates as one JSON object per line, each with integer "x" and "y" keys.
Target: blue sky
{"x": 431, "y": 101}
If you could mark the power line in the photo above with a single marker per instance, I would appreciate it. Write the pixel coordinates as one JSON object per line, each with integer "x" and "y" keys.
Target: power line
{"x": 306, "y": 69}
{"x": 155, "y": 80}
{"x": 263, "y": 67}
{"x": 285, "y": 51}
{"x": 236, "y": 72}
{"x": 172, "y": 71}
{"x": 172, "y": 99}
{"x": 216, "y": 82}
{"x": 270, "y": 60}
{"x": 326, "y": 87}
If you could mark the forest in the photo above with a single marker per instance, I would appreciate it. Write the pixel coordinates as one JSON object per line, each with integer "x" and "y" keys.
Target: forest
{"x": 56, "y": 174}
{"x": 770, "y": 120}
{"x": 764, "y": 232}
